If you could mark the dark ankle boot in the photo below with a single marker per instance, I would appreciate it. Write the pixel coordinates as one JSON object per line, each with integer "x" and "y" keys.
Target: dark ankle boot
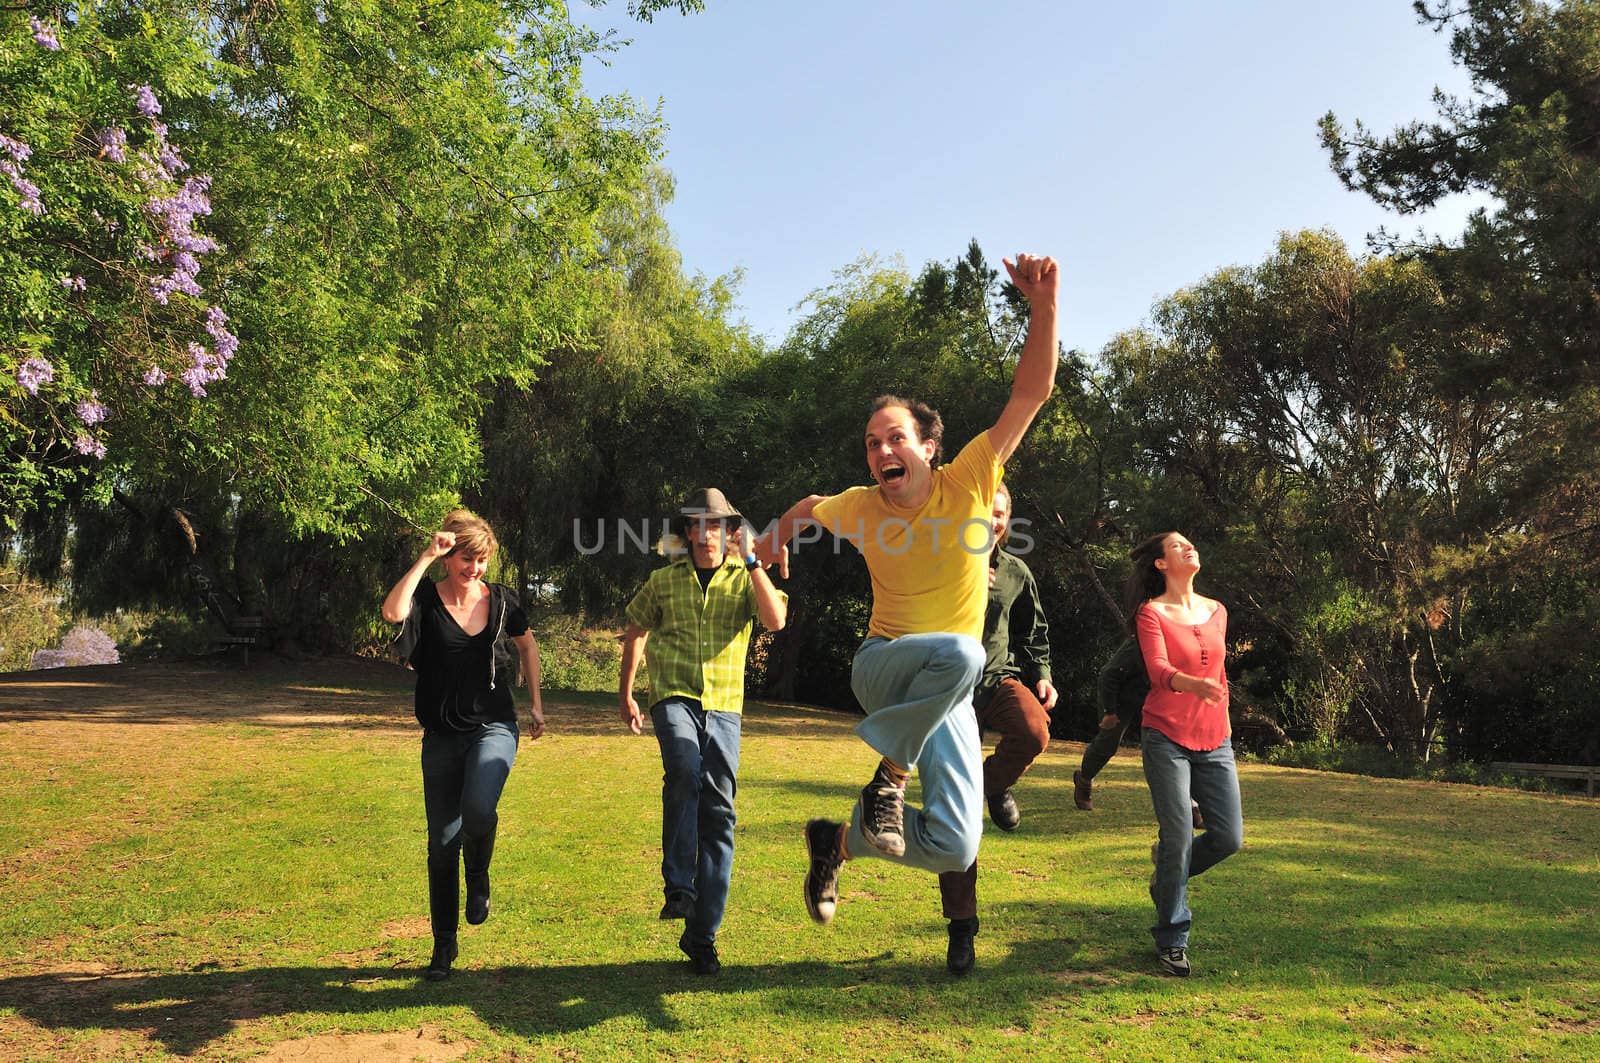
{"x": 477, "y": 896}
{"x": 475, "y": 856}
{"x": 444, "y": 954}
{"x": 961, "y": 956}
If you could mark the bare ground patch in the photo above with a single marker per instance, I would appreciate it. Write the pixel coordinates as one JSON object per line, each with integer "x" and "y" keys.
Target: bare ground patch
{"x": 424, "y": 1044}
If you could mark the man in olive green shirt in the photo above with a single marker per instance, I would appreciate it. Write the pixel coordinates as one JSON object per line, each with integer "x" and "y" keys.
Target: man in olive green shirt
{"x": 1013, "y": 698}
{"x": 696, "y": 614}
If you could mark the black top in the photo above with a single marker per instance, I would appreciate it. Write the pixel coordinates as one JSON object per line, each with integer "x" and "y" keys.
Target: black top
{"x": 459, "y": 686}
{"x": 1124, "y": 683}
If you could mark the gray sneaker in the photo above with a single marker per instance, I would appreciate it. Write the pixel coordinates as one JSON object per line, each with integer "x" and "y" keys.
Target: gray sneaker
{"x": 822, "y": 878}
{"x": 883, "y": 810}
{"x": 1174, "y": 960}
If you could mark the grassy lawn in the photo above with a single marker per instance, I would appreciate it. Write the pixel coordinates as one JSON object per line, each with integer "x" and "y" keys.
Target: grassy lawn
{"x": 200, "y": 862}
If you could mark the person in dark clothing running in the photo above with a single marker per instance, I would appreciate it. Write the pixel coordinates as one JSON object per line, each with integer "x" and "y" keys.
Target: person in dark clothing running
{"x": 465, "y": 707}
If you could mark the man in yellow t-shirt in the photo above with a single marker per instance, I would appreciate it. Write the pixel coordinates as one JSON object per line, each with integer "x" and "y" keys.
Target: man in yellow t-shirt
{"x": 925, "y": 534}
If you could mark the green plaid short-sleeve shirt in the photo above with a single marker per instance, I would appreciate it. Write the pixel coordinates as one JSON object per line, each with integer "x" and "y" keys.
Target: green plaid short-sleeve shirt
{"x": 698, "y": 639}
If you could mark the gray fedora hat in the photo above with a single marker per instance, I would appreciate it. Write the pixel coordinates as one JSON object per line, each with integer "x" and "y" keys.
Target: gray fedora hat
{"x": 705, "y": 503}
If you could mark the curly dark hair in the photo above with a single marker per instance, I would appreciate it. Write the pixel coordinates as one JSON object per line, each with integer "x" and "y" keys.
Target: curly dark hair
{"x": 930, "y": 426}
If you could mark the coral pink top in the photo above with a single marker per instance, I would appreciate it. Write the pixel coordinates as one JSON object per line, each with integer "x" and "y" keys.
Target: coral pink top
{"x": 1193, "y": 649}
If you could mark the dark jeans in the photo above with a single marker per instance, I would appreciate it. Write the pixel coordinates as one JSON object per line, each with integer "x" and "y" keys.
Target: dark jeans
{"x": 1103, "y": 746}
{"x": 463, "y": 773}
{"x": 1024, "y": 729}
{"x": 700, "y": 762}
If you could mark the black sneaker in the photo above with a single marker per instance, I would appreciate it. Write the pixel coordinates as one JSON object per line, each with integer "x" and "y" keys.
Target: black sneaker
{"x": 822, "y": 879}
{"x": 679, "y": 906}
{"x": 444, "y": 954}
{"x": 883, "y": 810}
{"x": 1082, "y": 792}
{"x": 1004, "y": 811}
{"x": 1175, "y": 960}
{"x": 960, "y": 957}
{"x": 477, "y": 897}
{"x": 702, "y": 955}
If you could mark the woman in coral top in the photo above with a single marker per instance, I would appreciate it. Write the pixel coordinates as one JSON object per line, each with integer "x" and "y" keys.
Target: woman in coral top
{"x": 1187, "y": 752}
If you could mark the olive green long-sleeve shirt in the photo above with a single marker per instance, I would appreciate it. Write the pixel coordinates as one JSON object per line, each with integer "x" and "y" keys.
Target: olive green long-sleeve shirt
{"x": 1016, "y": 636}
{"x": 1123, "y": 683}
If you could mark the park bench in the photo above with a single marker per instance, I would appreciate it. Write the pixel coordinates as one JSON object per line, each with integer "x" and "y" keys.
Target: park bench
{"x": 241, "y": 631}
{"x": 1589, "y": 773}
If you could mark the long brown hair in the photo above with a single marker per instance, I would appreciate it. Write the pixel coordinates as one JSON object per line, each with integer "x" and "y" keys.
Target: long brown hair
{"x": 1145, "y": 581}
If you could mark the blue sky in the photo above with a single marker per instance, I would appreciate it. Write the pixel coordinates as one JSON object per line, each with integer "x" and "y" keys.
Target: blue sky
{"x": 1144, "y": 146}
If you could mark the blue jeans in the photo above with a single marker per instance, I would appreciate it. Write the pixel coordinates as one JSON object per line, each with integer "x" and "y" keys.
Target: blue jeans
{"x": 917, "y": 690}
{"x": 1176, "y": 774}
{"x": 700, "y": 760}
{"x": 463, "y": 773}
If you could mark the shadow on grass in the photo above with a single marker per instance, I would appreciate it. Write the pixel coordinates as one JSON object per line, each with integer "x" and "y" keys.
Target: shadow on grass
{"x": 185, "y": 1012}
{"x": 1293, "y": 930}
{"x": 345, "y": 692}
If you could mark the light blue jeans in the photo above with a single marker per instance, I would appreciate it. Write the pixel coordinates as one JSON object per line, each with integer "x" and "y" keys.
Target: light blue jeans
{"x": 917, "y": 690}
{"x": 1176, "y": 774}
{"x": 700, "y": 760}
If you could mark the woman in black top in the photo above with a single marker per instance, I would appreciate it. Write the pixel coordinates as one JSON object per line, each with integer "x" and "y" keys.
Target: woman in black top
{"x": 464, "y": 704}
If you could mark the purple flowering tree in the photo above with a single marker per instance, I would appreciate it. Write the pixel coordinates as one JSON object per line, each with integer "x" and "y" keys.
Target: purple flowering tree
{"x": 103, "y": 247}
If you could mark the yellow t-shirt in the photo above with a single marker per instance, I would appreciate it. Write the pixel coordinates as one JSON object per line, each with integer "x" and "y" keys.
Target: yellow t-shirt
{"x": 929, "y": 565}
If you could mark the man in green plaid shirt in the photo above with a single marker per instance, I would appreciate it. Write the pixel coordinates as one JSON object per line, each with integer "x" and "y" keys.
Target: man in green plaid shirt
{"x": 697, "y": 616}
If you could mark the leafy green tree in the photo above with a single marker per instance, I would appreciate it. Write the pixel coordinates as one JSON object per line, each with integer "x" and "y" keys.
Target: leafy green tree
{"x": 1523, "y": 281}
{"x": 103, "y": 238}
{"x": 409, "y": 208}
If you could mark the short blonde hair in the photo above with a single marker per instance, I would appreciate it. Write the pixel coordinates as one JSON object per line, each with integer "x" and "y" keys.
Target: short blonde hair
{"x": 473, "y": 534}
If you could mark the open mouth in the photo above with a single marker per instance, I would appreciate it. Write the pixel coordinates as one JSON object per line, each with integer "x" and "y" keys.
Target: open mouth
{"x": 892, "y": 473}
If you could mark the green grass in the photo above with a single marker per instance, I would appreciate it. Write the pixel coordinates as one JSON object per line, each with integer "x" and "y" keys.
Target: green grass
{"x": 206, "y": 887}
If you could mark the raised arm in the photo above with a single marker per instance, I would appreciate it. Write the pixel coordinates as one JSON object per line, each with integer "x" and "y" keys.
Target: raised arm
{"x": 397, "y": 604}
{"x": 770, "y": 548}
{"x": 770, "y": 606}
{"x": 1037, "y": 277}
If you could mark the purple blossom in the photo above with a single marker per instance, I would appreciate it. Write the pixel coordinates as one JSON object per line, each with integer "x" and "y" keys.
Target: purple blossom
{"x": 216, "y": 325}
{"x": 189, "y": 240}
{"x": 30, "y": 197}
{"x": 113, "y": 144}
{"x": 155, "y": 376}
{"x": 44, "y": 33}
{"x": 145, "y": 100}
{"x": 196, "y": 378}
{"x": 33, "y": 372}
{"x": 88, "y": 444}
{"x": 12, "y": 168}
{"x": 74, "y": 284}
{"x": 86, "y": 644}
{"x": 47, "y": 659}
{"x": 26, "y": 189}
{"x": 90, "y": 410}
